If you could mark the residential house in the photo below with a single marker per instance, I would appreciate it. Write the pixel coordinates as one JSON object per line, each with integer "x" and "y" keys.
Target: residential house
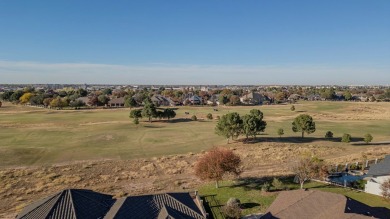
{"x": 85, "y": 100}
{"x": 213, "y": 100}
{"x": 252, "y": 98}
{"x": 377, "y": 174}
{"x": 194, "y": 100}
{"x": 160, "y": 100}
{"x": 117, "y": 102}
{"x": 293, "y": 98}
{"x": 315, "y": 204}
{"x": 86, "y": 204}
{"x": 314, "y": 97}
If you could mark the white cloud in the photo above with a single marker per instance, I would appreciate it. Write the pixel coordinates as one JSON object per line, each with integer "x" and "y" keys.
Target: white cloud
{"x": 35, "y": 72}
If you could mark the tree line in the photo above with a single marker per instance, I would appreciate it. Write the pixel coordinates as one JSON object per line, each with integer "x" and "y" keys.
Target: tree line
{"x": 150, "y": 111}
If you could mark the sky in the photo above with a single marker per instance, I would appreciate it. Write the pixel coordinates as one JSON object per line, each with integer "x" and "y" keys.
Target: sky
{"x": 255, "y": 42}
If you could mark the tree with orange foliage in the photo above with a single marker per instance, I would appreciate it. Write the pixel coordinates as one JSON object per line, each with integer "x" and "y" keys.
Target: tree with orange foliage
{"x": 216, "y": 163}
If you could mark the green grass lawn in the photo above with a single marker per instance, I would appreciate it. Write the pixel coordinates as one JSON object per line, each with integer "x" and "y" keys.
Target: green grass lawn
{"x": 33, "y": 136}
{"x": 255, "y": 201}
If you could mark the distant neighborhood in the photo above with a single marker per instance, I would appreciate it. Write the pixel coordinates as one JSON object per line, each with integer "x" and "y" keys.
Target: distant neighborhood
{"x": 109, "y": 96}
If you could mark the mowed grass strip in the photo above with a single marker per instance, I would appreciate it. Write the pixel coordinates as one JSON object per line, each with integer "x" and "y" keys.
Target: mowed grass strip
{"x": 34, "y": 136}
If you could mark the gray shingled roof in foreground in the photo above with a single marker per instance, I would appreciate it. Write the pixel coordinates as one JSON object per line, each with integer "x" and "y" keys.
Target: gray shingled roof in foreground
{"x": 159, "y": 206}
{"x": 69, "y": 204}
{"x": 381, "y": 168}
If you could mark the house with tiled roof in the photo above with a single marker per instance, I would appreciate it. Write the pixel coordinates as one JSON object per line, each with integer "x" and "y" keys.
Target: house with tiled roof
{"x": 377, "y": 174}
{"x": 86, "y": 204}
{"x": 315, "y": 204}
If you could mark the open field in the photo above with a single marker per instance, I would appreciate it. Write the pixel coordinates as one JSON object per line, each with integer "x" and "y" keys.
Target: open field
{"x": 33, "y": 136}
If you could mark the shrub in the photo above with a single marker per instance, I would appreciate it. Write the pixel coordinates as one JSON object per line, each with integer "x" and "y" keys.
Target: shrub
{"x": 209, "y": 116}
{"x": 277, "y": 184}
{"x": 232, "y": 209}
{"x": 266, "y": 187}
{"x": 359, "y": 184}
{"x": 329, "y": 134}
{"x": 368, "y": 138}
{"x": 292, "y": 108}
{"x": 194, "y": 118}
{"x": 218, "y": 117}
{"x": 346, "y": 138}
{"x": 280, "y": 132}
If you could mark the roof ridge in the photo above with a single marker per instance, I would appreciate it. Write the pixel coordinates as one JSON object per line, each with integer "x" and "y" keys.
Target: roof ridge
{"x": 71, "y": 201}
{"x": 59, "y": 195}
{"x": 185, "y": 206}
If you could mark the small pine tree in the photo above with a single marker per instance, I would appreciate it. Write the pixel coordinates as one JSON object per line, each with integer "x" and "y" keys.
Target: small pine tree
{"x": 329, "y": 134}
{"x": 280, "y": 132}
{"x": 194, "y": 118}
{"x": 346, "y": 138}
{"x": 292, "y": 108}
{"x": 368, "y": 138}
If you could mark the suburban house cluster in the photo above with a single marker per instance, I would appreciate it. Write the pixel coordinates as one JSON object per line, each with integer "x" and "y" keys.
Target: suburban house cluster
{"x": 296, "y": 204}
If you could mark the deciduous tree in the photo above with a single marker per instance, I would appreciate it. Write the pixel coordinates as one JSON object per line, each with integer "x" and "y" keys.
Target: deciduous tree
{"x": 368, "y": 138}
{"x": 346, "y": 138}
{"x": 25, "y": 98}
{"x": 385, "y": 187}
{"x": 307, "y": 168}
{"x": 169, "y": 113}
{"x": 149, "y": 110}
{"x": 135, "y": 114}
{"x": 234, "y": 100}
{"x": 216, "y": 163}
{"x": 130, "y": 102}
{"x": 229, "y": 126}
{"x": 103, "y": 99}
{"x": 304, "y": 123}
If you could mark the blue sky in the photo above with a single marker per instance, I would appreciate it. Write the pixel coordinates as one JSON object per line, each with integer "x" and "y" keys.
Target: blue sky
{"x": 195, "y": 42}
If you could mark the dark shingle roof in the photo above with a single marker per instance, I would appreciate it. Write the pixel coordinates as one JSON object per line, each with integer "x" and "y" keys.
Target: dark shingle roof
{"x": 69, "y": 204}
{"x": 160, "y": 206}
{"x": 381, "y": 168}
